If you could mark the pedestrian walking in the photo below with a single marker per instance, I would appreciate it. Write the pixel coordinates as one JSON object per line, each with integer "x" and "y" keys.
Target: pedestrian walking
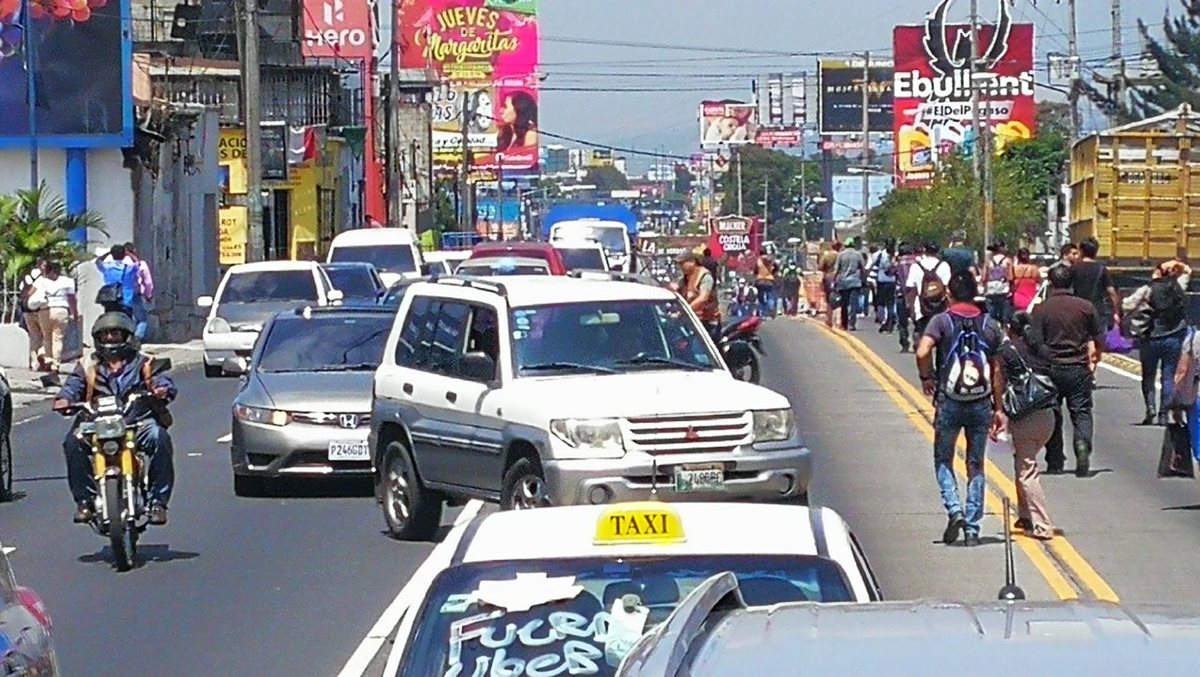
{"x": 1187, "y": 384}
{"x": 925, "y": 288}
{"x": 119, "y": 279}
{"x": 144, "y": 292}
{"x": 827, "y": 266}
{"x": 764, "y": 284}
{"x": 850, "y": 273}
{"x": 1093, "y": 283}
{"x": 998, "y": 278}
{"x": 1163, "y": 304}
{"x": 33, "y": 301}
{"x": 1027, "y": 278}
{"x": 1030, "y": 427}
{"x": 791, "y": 283}
{"x": 965, "y": 343}
{"x": 884, "y": 268}
{"x": 1071, "y": 333}
{"x": 61, "y": 308}
{"x": 871, "y": 288}
{"x": 960, "y": 257}
{"x": 905, "y": 258}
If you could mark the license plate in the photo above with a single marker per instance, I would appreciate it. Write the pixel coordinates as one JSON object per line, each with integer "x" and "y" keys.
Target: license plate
{"x": 349, "y": 451}
{"x": 690, "y": 478}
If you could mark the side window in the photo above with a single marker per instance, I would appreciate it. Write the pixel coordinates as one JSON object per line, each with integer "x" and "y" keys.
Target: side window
{"x": 449, "y": 337}
{"x": 484, "y": 336}
{"x": 413, "y": 347}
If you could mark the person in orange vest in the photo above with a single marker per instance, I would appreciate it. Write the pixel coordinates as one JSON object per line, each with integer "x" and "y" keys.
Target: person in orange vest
{"x": 699, "y": 289}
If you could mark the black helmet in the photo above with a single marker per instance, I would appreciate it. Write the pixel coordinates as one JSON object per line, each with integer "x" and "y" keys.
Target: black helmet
{"x": 113, "y": 350}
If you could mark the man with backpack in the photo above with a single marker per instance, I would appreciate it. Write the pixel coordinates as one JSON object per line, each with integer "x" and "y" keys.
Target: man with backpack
{"x": 925, "y": 290}
{"x": 997, "y": 283}
{"x": 966, "y": 344}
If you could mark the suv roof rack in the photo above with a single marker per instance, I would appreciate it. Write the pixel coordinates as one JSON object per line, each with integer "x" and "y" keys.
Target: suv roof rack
{"x": 472, "y": 282}
{"x": 611, "y": 275}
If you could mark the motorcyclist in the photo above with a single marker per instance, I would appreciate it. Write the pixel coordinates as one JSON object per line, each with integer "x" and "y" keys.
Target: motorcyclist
{"x": 118, "y": 368}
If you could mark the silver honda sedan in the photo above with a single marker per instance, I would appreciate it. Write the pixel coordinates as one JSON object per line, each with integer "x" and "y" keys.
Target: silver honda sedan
{"x": 305, "y": 400}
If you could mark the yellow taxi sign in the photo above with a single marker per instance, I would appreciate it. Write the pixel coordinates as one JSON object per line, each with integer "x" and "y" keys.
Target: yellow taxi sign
{"x": 648, "y": 522}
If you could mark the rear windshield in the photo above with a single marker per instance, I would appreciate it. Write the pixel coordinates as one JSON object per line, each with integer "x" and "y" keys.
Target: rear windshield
{"x": 493, "y": 269}
{"x": 353, "y": 282}
{"x": 583, "y": 259}
{"x": 270, "y": 285}
{"x": 388, "y": 258}
{"x": 325, "y": 343}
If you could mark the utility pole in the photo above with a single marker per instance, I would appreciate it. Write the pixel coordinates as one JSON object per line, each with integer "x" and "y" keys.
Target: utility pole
{"x": 395, "y": 203}
{"x": 1119, "y": 75}
{"x": 766, "y": 208}
{"x": 866, "y": 140}
{"x": 1073, "y": 60}
{"x": 741, "y": 212}
{"x": 464, "y": 170}
{"x": 31, "y": 92}
{"x": 982, "y": 153}
{"x": 500, "y": 194}
{"x": 252, "y": 115}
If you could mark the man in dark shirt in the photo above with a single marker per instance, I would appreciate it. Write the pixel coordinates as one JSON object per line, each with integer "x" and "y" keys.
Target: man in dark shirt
{"x": 1093, "y": 283}
{"x": 960, "y": 257}
{"x": 710, "y": 264}
{"x": 1070, "y": 332}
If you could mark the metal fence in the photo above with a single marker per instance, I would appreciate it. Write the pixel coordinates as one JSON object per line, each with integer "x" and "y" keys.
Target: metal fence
{"x": 10, "y": 302}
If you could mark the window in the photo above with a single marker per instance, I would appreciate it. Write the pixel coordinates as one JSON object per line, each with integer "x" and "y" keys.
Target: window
{"x": 484, "y": 336}
{"x": 389, "y": 258}
{"x": 324, "y": 343}
{"x": 270, "y": 285}
{"x": 411, "y": 351}
{"x": 448, "y": 337}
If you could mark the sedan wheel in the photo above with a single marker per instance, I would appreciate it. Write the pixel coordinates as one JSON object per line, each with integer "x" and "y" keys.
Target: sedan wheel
{"x": 410, "y": 511}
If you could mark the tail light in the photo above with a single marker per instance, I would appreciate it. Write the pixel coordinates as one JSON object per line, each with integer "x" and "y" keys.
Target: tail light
{"x": 750, "y": 324}
{"x": 34, "y": 605}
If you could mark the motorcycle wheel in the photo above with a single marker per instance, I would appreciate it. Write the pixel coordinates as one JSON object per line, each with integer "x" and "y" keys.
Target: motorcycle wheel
{"x": 120, "y": 536}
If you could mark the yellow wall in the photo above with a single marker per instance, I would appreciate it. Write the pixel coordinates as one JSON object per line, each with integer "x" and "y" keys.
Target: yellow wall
{"x": 231, "y": 154}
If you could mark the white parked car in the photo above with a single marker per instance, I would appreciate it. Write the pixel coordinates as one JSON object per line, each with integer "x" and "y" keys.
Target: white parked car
{"x": 582, "y": 254}
{"x": 444, "y": 262}
{"x": 539, "y": 391}
{"x": 393, "y": 251}
{"x": 503, "y": 266}
{"x": 248, "y": 296}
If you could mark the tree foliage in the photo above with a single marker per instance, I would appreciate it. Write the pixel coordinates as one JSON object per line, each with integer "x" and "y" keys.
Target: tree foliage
{"x": 683, "y": 180}
{"x": 606, "y": 179}
{"x": 36, "y": 225}
{"x": 786, "y": 178}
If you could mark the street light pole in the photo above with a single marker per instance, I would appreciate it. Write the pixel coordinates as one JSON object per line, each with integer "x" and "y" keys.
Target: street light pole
{"x": 31, "y": 92}
{"x": 866, "y": 132}
{"x": 252, "y": 115}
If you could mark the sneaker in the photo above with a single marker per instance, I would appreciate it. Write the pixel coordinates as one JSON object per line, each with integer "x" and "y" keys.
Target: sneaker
{"x": 953, "y": 528}
{"x": 157, "y": 514}
{"x": 971, "y": 540}
{"x": 83, "y": 513}
{"x": 1054, "y": 469}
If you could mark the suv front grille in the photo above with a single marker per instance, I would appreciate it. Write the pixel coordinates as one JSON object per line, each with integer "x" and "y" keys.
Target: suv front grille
{"x": 689, "y": 432}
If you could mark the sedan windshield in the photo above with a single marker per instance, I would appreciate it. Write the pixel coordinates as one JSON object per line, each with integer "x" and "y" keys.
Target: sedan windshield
{"x": 608, "y": 337}
{"x": 266, "y": 286}
{"x": 388, "y": 258}
{"x": 583, "y": 259}
{"x": 586, "y": 613}
{"x": 355, "y": 282}
{"x": 325, "y": 343}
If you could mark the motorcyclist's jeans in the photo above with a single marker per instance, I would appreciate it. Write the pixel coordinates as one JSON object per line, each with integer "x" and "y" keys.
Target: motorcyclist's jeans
{"x": 152, "y": 440}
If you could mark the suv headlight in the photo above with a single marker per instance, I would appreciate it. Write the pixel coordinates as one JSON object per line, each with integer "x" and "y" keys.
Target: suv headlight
{"x": 218, "y": 325}
{"x": 773, "y": 425}
{"x": 598, "y": 434}
{"x": 273, "y": 417}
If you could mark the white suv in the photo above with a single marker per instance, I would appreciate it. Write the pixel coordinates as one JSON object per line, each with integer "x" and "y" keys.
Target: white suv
{"x": 558, "y": 391}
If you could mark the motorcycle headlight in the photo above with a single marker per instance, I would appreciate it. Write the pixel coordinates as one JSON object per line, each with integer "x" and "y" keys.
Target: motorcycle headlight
{"x": 273, "y": 417}
{"x": 110, "y": 426}
{"x": 601, "y": 434}
{"x": 773, "y": 425}
{"x": 218, "y": 325}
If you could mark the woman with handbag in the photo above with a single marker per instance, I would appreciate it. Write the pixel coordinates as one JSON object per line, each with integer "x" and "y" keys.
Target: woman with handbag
{"x": 1187, "y": 384}
{"x": 1028, "y": 397}
{"x": 1159, "y": 323}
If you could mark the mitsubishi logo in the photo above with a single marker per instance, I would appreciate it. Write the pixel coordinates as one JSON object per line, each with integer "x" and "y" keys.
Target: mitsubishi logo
{"x": 348, "y": 420}
{"x": 334, "y": 11}
{"x": 691, "y": 435}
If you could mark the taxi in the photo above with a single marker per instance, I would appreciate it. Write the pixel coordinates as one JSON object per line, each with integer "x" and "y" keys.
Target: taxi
{"x": 570, "y": 589}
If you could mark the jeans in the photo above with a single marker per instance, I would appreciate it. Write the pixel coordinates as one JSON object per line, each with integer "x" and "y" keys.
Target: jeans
{"x": 885, "y": 303}
{"x": 152, "y": 440}
{"x": 1074, "y": 384}
{"x": 1000, "y": 307}
{"x": 1164, "y": 352}
{"x": 849, "y": 305}
{"x": 973, "y": 419}
{"x": 903, "y": 315}
{"x": 766, "y": 299}
{"x": 141, "y": 316}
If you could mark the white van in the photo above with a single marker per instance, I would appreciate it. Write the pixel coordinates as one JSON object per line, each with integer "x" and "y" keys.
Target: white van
{"x": 612, "y": 235}
{"x": 393, "y": 251}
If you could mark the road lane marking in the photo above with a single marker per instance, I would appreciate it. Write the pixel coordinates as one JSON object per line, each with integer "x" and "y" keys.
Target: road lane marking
{"x": 1121, "y": 372}
{"x": 1067, "y": 556}
{"x": 8, "y": 549}
{"x": 361, "y": 659}
{"x": 228, "y": 437}
{"x": 1054, "y": 578}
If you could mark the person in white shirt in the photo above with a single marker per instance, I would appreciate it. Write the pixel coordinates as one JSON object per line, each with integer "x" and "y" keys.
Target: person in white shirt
{"x": 914, "y": 287}
{"x": 32, "y": 303}
{"x": 60, "y": 309}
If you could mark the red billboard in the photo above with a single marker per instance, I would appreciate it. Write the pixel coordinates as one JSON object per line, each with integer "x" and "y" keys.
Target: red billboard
{"x": 337, "y": 29}
{"x": 932, "y": 88}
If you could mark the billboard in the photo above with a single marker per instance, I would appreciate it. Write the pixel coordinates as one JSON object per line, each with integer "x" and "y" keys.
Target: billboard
{"x": 337, "y": 29}
{"x": 487, "y": 50}
{"x": 231, "y": 158}
{"x": 840, "y": 95}
{"x": 933, "y": 113}
{"x": 83, "y": 71}
{"x": 727, "y": 123}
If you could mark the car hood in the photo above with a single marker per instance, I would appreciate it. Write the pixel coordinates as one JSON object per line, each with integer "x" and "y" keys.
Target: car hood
{"x": 645, "y": 393}
{"x": 333, "y": 392}
{"x": 243, "y": 314}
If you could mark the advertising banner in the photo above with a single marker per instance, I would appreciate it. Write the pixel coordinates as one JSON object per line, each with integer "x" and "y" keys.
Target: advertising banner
{"x": 727, "y": 123}
{"x": 337, "y": 29}
{"x": 493, "y": 217}
{"x": 231, "y": 243}
{"x": 231, "y": 158}
{"x": 488, "y": 51}
{"x": 83, "y": 73}
{"x": 734, "y": 236}
{"x": 933, "y": 113}
{"x": 840, "y": 94}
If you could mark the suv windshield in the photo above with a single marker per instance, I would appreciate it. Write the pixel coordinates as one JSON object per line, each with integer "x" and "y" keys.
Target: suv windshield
{"x": 388, "y": 258}
{"x": 325, "y": 343}
{"x": 583, "y": 259}
{"x": 355, "y": 282}
{"x": 266, "y": 286}
{"x": 608, "y": 336}
{"x": 481, "y": 617}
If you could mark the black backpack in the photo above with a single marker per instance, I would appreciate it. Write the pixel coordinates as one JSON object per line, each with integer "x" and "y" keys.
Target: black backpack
{"x": 932, "y": 293}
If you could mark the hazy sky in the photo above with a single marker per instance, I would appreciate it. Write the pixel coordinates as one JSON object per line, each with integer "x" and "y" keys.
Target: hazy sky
{"x": 667, "y": 119}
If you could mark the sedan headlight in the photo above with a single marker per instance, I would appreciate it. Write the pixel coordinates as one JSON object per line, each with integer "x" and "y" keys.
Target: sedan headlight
{"x": 258, "y": 415}
{"x": 589, "y": 434}
{"x": 773, "y": 425}
{"x": 218, "y": 325}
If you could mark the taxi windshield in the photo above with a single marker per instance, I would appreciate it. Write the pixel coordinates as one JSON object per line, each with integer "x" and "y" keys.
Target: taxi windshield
{"x": 581, "y": 616}
{"x": 608, "y": 337}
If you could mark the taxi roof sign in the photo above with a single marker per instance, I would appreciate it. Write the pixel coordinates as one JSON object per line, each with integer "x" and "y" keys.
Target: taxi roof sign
{"x": 648, "y": 522}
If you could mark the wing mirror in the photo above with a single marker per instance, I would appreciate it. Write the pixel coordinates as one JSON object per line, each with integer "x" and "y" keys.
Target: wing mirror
{"x": 234, "y": 366}
{"x": 205, "y": 302}
{"x": 477, "y": 366}
{"x": 335, "y": 296}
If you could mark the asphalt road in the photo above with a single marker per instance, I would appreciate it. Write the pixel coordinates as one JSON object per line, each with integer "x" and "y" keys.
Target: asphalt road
{"x": 232, "y": 586}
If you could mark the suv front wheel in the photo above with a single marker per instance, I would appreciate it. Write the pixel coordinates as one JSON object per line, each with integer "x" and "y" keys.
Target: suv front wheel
{"x": 412, "y": 512}
{"x": 524, "y": 486}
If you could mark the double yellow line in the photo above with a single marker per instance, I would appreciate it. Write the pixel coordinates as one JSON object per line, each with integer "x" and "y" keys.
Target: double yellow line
{"x": 1065, "y": 570}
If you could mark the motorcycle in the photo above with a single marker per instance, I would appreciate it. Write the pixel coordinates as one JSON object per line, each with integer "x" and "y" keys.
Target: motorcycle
{"x": 121, "y": 471}
{"x": 738, "y": 340}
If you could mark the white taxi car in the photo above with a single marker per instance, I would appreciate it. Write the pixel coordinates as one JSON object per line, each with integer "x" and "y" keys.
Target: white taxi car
{"x": 532, "y": 592}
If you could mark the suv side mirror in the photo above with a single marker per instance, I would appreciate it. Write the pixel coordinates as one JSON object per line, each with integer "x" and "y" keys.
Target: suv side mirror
{"x": 477, "y": 366}
{"x": 334, "y": 296}
{"x": 234, "y": 366}
{"x": 205, "y": 302}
